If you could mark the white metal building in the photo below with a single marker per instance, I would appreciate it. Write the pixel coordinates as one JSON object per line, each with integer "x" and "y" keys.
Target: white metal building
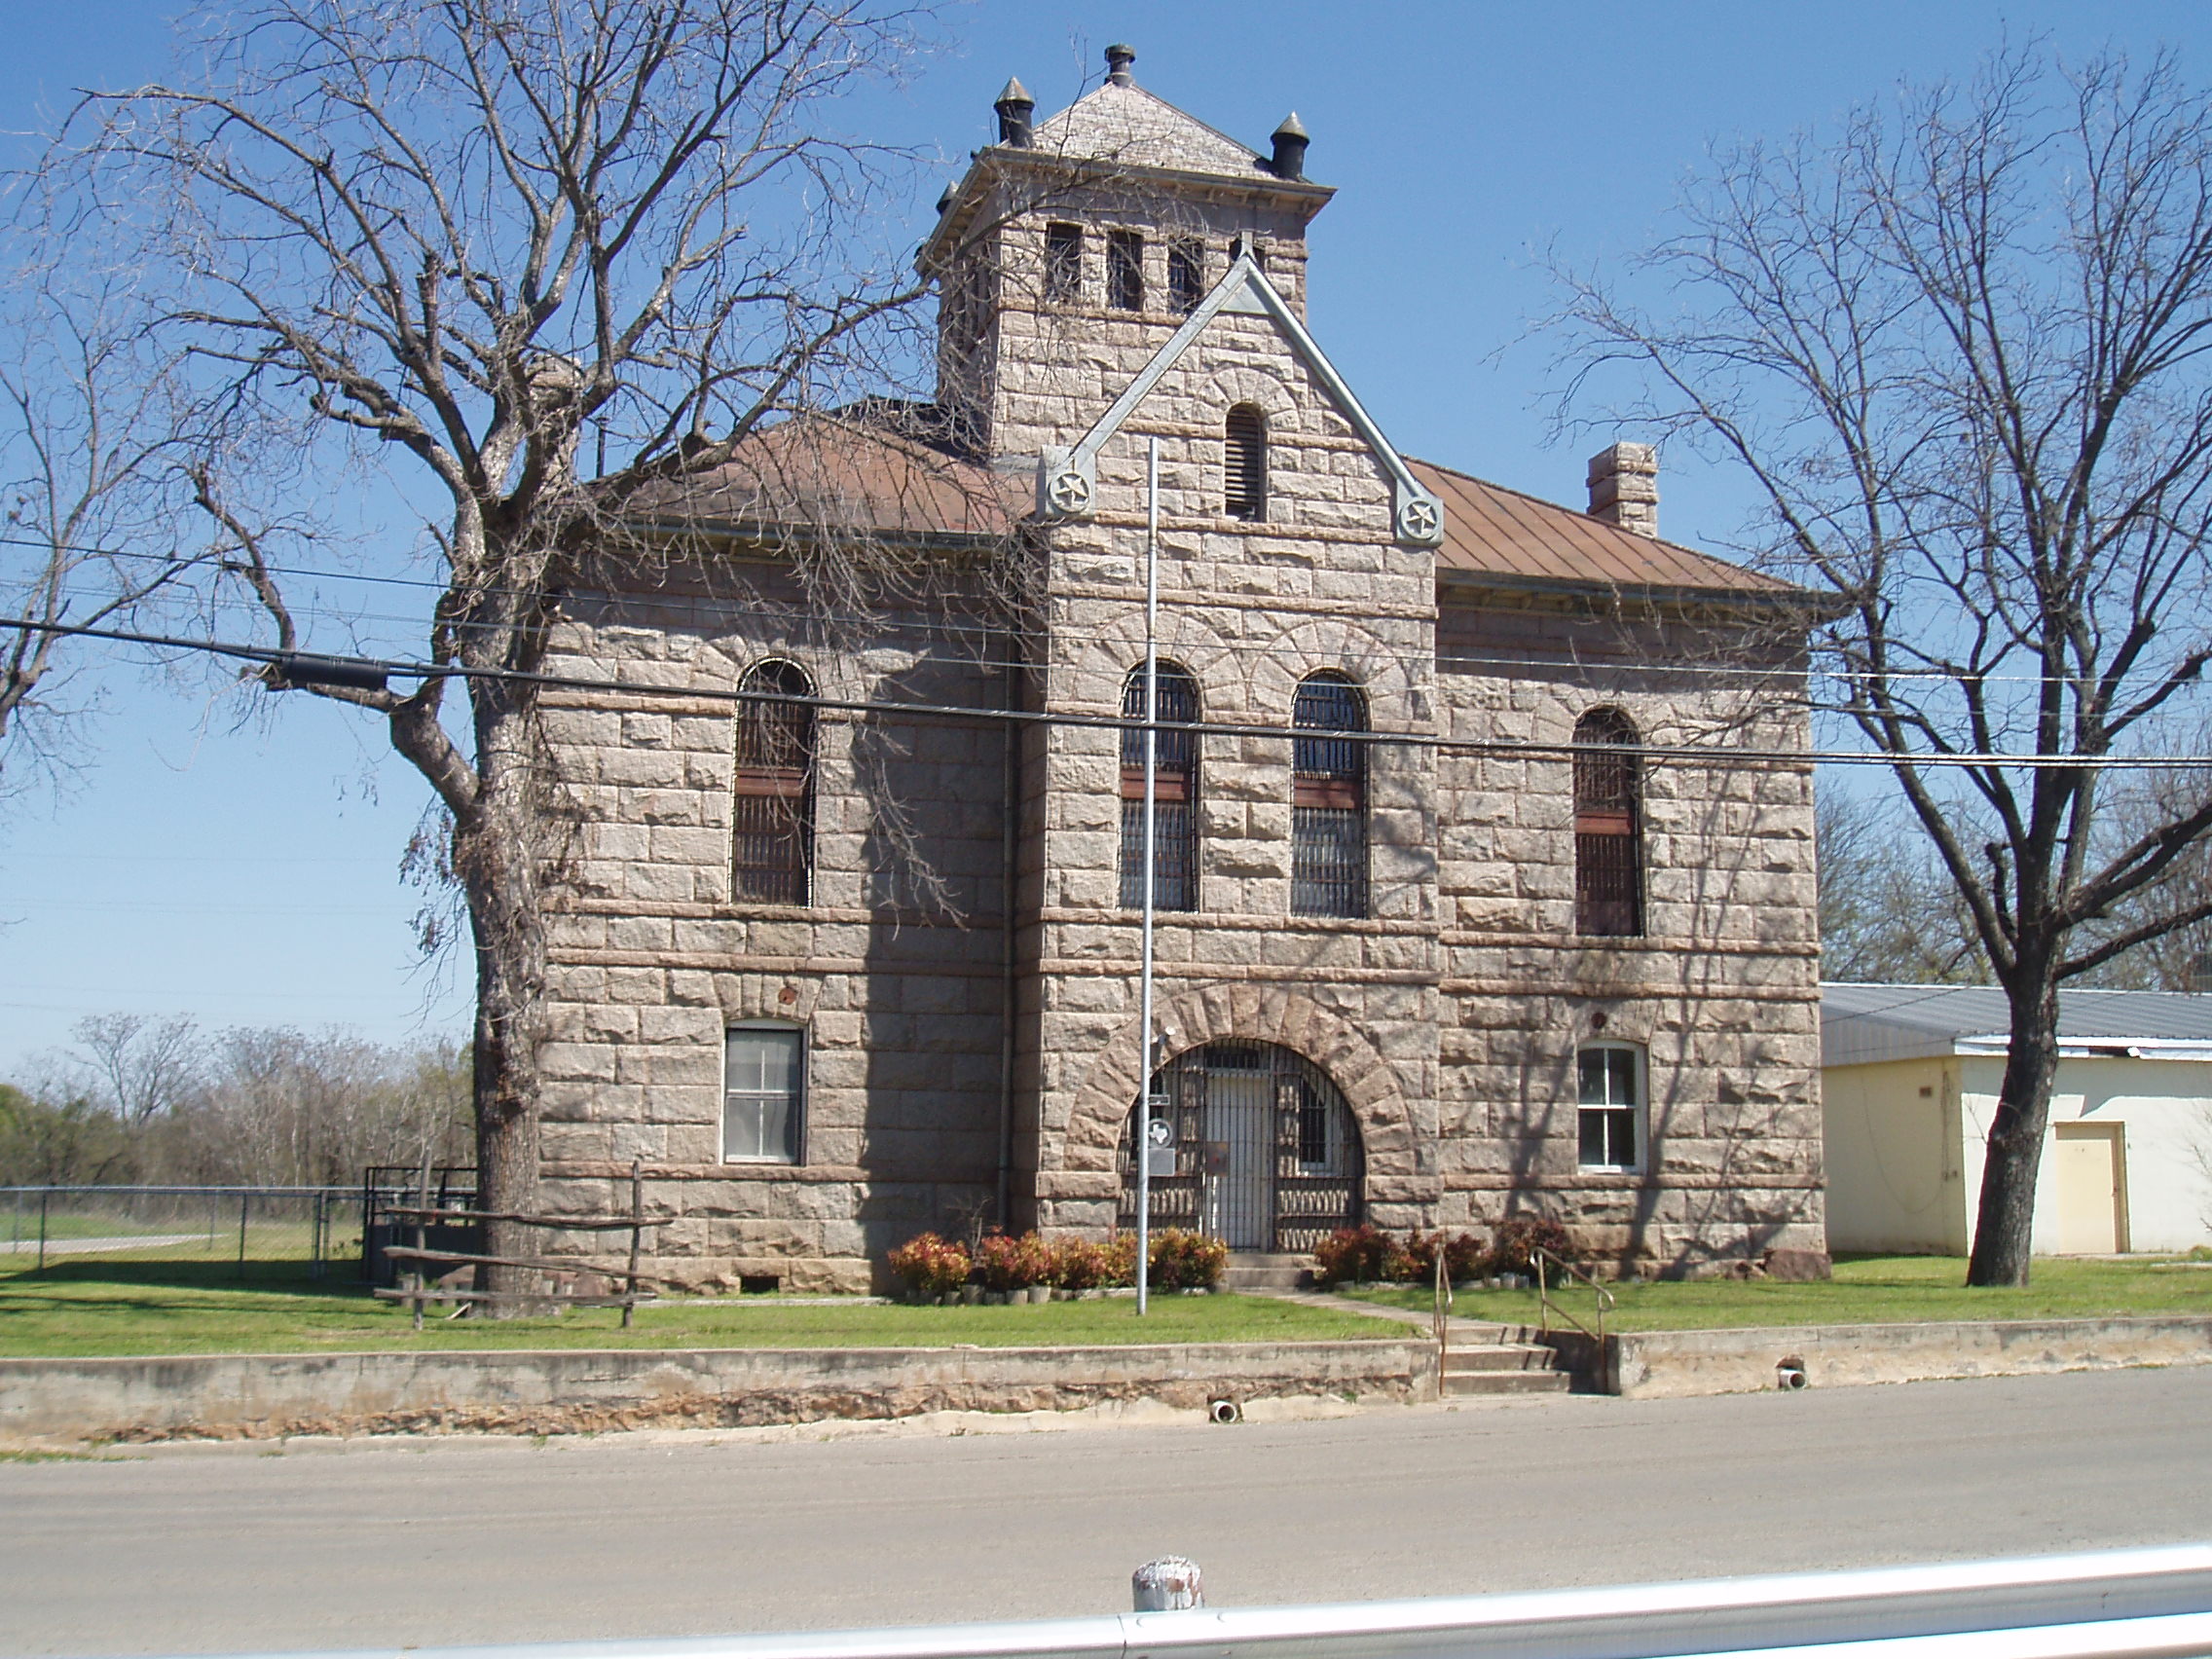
{"x": 1909, "y": 1082}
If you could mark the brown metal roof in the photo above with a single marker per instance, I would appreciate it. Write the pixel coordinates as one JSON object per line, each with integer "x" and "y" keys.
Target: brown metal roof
{"x": 865, "y": 473}
{"x": 1491, "y": 531}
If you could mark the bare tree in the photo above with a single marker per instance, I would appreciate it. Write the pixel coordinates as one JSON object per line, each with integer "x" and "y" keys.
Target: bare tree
{"x": 139, "y": 1067}
{"x": 88, "y": 440}
{"x": 492, "y": 240}
{"x": 1961, "y": 350}
{"x": 1889, "y": 913}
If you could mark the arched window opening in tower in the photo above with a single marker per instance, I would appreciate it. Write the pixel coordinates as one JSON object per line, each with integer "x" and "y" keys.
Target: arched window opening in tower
{"x": 1328, "y": 817}
{"x": 1125, "y": 271}
{"x": 1244, "y": 463}
{"x": 1185, "y": 274}
{"x": 1175, "y": 795}
{"x": 1063, "y": 262}
{"x": 772, "y": 815}
{"x": 1608, "y": 826}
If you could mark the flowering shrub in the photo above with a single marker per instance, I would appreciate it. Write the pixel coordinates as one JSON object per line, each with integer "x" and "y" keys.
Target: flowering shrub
{"x": 1007, "y": 1262}
{"x": 1121, "y": 1259}
{"x": 1363, "y": 1254}
{"x": 1518, "y": 1234}
{"x": 1463, "y": 1256}
{"x": 931, "y": 1266}
{"x": 1182, "y": 1260}
{"x": 1083, "y": 1263}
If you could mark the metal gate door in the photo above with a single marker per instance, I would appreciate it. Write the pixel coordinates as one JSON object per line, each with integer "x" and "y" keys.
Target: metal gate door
{"x": 1239, "y": 1130}
{"x": 1266, "y": 1154}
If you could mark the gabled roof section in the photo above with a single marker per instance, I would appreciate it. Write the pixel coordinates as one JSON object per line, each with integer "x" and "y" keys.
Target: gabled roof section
{"x": 1492, "y": 532}
{"x": 1862, "y": 1023}
{"x": 1128, "y": 125}
{"x": 1067, "y": 480}
{"x": 869, "y": 471}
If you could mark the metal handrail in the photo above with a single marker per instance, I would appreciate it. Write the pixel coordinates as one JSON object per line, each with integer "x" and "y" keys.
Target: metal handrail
{"x": 1546, "y": 1307}
{"x": 1440, "y": 1319}
{"x": 2136, "y": 1604}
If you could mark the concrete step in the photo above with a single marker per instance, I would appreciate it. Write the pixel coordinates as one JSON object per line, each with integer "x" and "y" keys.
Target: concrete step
{"x": 1460, "y": 1385}
{"x": 1258, "y": 1272}
{"x": 1498, "y": 1356}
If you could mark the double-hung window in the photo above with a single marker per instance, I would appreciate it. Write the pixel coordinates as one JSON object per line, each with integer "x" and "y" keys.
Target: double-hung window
{"x": 763, "y": 1093}
{"x": 1610, "y": 1114}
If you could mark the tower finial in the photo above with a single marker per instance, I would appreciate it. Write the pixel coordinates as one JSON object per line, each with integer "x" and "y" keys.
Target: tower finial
{"x": 1118, "y": 58}
{"x": 1015, "y": 107}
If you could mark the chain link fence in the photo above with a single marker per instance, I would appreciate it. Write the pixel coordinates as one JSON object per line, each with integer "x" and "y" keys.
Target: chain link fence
{"x": 257, "y": 1232}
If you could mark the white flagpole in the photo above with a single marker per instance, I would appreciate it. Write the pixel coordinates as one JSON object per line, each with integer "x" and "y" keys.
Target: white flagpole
{"x": 1143, "y": 1130}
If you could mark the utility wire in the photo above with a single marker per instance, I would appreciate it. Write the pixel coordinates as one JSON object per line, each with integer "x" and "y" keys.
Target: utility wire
{"x": 308, "y": 668}
{"x": 735, "y": 605}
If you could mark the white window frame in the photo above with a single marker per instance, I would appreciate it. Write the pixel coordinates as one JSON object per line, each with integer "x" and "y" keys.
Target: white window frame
{"x": 1639, "y": 1107}
{"x": 795, "y": 1134}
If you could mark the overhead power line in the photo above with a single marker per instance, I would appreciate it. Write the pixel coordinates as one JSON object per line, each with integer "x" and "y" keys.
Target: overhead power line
{"x": 308, "y": 670}
{"x": 732, "y": 605}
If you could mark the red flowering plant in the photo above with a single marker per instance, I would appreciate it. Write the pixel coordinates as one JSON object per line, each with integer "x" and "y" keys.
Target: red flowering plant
{"x": 1360, "y": 1255}
{"x": 1007, "y": 1263}
{"x": 931, "y": 1267}
{"x": 1083, "y": 1263}
{"x": 1122, "y": 1260}
{"x": 1518, "y": 1236}
{"x": 1465, "y": 1256}
{"x": 1182, "y": 1260}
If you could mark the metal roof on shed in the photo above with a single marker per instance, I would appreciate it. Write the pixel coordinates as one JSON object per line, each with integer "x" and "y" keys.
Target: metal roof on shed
{"x": 1862, "y": 1023}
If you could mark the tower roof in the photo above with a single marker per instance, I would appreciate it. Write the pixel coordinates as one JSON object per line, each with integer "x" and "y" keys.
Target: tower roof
{"x": 1128, "y": 125}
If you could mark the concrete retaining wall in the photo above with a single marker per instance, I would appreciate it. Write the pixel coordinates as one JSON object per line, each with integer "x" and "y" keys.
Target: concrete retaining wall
{"x": 1654, "y": 1364}
{"x": 572, "y": 1390}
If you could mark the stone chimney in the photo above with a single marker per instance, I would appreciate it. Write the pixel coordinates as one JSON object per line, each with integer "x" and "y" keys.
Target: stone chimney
{"x": 1624, "y": 487}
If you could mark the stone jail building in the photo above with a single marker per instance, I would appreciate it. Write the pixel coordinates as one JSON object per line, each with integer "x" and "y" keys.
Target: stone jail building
{"x": 1484, "y": 828}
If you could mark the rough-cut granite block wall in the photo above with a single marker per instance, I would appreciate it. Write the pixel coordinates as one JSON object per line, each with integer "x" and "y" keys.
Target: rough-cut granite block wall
{"x": 1449, "y": 1018}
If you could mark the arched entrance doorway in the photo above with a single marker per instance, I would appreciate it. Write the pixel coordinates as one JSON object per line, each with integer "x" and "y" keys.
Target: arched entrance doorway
{"x": 1268, "y": 1155}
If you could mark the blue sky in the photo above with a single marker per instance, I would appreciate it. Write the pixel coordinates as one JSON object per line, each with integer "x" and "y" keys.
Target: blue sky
{"x": 250, "y": 875}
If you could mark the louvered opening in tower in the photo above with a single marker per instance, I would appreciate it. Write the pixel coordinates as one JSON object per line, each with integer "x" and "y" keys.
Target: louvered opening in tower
{"x": 1244, "y": 463}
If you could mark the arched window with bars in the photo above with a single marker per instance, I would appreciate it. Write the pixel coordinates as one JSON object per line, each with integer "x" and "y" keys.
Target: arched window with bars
{"x": 1175, "y": 795}
{"x": 1328, "y": 813}
{"x": 1244, "y": 463}
{"x": 772, "y": 817}
{"x": 1608, "y": 826}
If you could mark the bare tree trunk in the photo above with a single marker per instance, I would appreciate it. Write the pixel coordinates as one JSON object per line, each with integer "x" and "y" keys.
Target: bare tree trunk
{"x": 2004, "y": 1224}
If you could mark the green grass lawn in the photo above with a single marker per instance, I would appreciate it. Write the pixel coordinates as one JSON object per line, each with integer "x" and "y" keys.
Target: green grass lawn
{"x": 101, "y": 1308}
{"x": 1867, "y": 1290}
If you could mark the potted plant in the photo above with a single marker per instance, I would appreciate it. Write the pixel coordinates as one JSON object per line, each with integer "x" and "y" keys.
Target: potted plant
{"x": 934, "y": 1269}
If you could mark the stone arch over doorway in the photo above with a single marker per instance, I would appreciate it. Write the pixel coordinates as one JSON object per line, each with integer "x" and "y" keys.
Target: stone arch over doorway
{"x": 1080, "y": 1185}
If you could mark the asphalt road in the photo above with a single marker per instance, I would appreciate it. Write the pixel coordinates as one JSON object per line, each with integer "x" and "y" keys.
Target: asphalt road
{"x": 244, "y": 1549}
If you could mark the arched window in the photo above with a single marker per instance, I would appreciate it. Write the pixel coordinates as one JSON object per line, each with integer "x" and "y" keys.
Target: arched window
{"x": 1175, "y": 795}
{"x": 772, "y": 818}
{"x": 1328, "y": 811}
{"x": 1244, "y": 463}
{"x": 1608, "y": 827}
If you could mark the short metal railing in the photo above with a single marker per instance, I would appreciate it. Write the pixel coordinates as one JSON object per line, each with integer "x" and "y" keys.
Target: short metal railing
{"x": 1551, "y": 1270}
{"x": 2121, "y": 1604}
